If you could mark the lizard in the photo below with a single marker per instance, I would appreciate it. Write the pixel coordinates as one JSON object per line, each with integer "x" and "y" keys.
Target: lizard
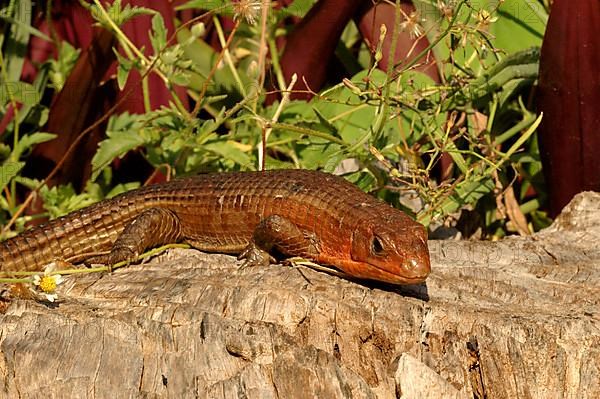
{"x": 300, "y": 213}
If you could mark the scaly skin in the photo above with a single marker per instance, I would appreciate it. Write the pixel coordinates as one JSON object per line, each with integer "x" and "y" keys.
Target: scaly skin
{"x": 295, "y": 212}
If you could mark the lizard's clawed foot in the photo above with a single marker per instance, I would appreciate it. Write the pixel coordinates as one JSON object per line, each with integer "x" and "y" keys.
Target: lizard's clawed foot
{"x": 116, "y": 255}
{"x": 255, "y": 256}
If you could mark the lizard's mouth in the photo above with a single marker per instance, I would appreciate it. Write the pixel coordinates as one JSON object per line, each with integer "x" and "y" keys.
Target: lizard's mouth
{"x": 408, "y": 270}
{"x": 404, "y": 273}
{"x": 369, "y": 271}
{"x": 397, "y": 278}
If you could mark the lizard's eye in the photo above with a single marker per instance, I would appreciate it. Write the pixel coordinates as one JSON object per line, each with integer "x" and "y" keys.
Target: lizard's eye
{"x": 377, "y": 246}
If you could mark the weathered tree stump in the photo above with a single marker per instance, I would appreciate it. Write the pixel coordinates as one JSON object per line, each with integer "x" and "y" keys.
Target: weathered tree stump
{"x": 517, "y": 318}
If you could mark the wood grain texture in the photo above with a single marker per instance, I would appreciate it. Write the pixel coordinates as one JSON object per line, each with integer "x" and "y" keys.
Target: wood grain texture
{"x": 511, "y": 319}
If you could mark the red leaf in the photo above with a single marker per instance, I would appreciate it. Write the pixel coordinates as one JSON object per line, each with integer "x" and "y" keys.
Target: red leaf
{"x": 310, "y": 47}
{"x": 77, "y": 105}
{"x": 569, "y": 96}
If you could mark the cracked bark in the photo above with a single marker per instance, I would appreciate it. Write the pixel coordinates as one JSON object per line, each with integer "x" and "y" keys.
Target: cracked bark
{"x": 515, "y": 318}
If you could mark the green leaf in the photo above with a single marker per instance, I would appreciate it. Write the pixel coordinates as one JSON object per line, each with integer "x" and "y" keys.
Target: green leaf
{"x": 26, "y": 27}
{"x": 181, "y": 79}
{"x": 299, "y": 8}
{"x": 120, "y": 16}
{"x": 521, "y": 24}
{"x": 62, "y": 66}
{"x": 15, "y": 47}
{"x": 124, "y": 66}
{"x": 61, "y": 200}
{"x": 365, "y": 181}
{"x": 8, "y": 171}
{"x": 226, "y": 150}
{"x": 123, "y": 133}
{"x": 115, "y": 146}
{"x": 158, "y": 38}
{"x": 20, "y": 92}
{"x": 467, "y": 192}
{"x": 317, "y": 153}
{"x": 35, "y": 115}
{"x": 28, "y": 141}
{"x": 329, "y": 127}
{"x": 122, "y": 188}
{"x": 116, "y": 14}
{"x": 517, "y": 25}
{"x": 222, "y": 7}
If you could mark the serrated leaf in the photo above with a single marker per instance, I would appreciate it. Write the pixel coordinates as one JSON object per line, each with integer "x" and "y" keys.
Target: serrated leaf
{"x": 29, "y": 141}
{"x": 180, "y": 78}
{"x": 8, "y": 171}
{"x": 128, "y": 12}
{"x": 319, "y": 154}
{"x": 332, "y": 161}
{"x": 124, "y": 121}
{"x": 158, "y": 38}
{"x": 203, "y": 58}
{"x": 363, "y": 179}
{"x": 124, "y": 134}
{"x": 61, "y": 200}
{"x": 124, "y": 66}
{"x": 122, "y": 75}
{"x": 115, "y": 146}
{"x": 61, "y": 67}
{"x": 30, "y": 183}
{"x": 228, "y": 151}
{"x": 116, "y": 14}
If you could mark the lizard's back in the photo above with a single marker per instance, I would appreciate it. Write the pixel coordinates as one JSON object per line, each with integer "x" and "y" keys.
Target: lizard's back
{"x": 217, "y": 209}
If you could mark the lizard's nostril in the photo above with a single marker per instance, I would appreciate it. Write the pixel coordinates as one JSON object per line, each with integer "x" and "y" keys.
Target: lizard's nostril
{"x": 417, "y": 267}
{"x": 412, "y": 264}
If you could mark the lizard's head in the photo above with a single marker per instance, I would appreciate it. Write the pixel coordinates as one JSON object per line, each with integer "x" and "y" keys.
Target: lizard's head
{"x": 395, "y": 251}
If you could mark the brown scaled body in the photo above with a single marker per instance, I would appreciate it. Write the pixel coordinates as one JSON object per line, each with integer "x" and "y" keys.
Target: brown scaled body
{"x": 293, "y": 212}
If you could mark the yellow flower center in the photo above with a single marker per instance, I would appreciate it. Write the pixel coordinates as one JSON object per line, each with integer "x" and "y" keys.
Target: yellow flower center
{"x": 48, "y": 284}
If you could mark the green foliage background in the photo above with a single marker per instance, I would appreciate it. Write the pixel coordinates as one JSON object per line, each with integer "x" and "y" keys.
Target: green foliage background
{"x": 393, "y": 126}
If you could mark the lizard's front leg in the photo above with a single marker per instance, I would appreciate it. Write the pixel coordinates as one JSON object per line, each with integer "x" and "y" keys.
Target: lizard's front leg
{"x": 278, "y": 234}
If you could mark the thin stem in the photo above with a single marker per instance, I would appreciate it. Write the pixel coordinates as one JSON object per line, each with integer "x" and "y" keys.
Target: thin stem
{"x": 214, "y": 69}
{"x": 227, "y": 56}
{"x": 267, "y": 131}
{"x": 432, "y": 44}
